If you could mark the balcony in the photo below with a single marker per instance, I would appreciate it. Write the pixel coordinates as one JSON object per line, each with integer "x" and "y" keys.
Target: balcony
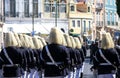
{"x": 99, "y": 7}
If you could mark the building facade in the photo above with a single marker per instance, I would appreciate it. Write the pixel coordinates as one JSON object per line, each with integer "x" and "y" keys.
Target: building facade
{"x": 1, "y": 11}
{"x": 35, "y": 16}
{"x": 26, "y": 16}
{"x": 80, "y": 18}
{"x": 105, "y": 16}
{"x": 111, "y": 16}
{"x": 98, "y": 16}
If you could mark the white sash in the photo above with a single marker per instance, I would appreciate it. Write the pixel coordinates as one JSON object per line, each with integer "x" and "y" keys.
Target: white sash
{"x": 102, "y": 55}
{"x": 6, "y": 55}
{"x": 48, "y": 53}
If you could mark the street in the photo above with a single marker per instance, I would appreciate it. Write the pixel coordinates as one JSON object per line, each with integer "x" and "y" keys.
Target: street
{"x": 87, "y": 73}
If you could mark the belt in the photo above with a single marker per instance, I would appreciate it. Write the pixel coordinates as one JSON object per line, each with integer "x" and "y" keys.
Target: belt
{"x": 9, "y": 65}
{"x": 51, "y": 63}
{"x": 105, "y": 64}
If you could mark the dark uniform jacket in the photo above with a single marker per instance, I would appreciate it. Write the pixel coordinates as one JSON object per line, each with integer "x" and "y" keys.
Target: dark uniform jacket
{"x": 73, "y": 58}
{"x": 79, "y": 59}
{"x": 99, "y": 62}
{"x": 16, "y": 57}
{"x": 84, "y": 50}
{"x": 37, "y": 53}
{"x": 60, "y": 55}
{"x": 117, "y": 47}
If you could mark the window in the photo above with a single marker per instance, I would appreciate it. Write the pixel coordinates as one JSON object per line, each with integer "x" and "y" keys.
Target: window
{"x": 89, "y": 25}
{"x": 111, "y": 18}
{"x": 72, "y": 8}
{"x": 35, "y": 8}
{"x": 88, "y": 9}
{"x": 84, "y": 26}
{"x": 63, "y": 8}
{"x": 73, "y": 23}
{"x": 53, "y": 7}
{"x": 62, "y": 5}
{"x": 26, "y": 8}
{"x": 78, "y": 23}
{"x": 47, "y": 7}
{"x": 12, "y": 8}
{"x": 106, "y": 15}
{"x": 115, "y": 19}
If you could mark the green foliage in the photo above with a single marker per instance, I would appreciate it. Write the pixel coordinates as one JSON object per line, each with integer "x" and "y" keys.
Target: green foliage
{"x": 118, "y": 7}
{"x": 71, "y": 30}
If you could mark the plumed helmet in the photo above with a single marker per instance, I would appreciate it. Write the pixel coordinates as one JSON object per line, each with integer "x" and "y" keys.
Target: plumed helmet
{"x": 23, "y": 42}
{"x": 55, "y": 36}
{"x": 10, "y": 40}
{"x": 41, "y": 44}
{"x": 81, "y": 39}
{"x": 68, "y": 41}
{"x": 43, "y": 41}
{"x": 26, "y": 40}
{"x": 18, "y": 39}
{"x": 106, "y": 41}
{"x": 77, "y": 41}
{"x": 31, "y": 42}
{"x": 73, "y": 42}
{"x": 36, "y": 42}
{"x": 110, "y": 40}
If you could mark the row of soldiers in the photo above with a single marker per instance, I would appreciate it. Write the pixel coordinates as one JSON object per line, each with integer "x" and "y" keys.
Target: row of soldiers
{"x": 105, "y": 55}
{"x": 59, "y": 56}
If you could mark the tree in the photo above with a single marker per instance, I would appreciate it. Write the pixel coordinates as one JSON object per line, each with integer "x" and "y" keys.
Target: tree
{"x": 118, "y": 7}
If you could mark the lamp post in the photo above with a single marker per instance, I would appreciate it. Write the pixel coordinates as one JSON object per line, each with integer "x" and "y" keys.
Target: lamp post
{"x": 33, "y": 20}
{"x": 56, "y": 13}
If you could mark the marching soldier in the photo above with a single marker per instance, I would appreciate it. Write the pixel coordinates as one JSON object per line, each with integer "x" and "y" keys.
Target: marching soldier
{"x": 11, "y": 56}
{"x": 22, "y": 51}
{"x": 117, "y": 47}
{"x": 55, "y": 56}
{"x": 80, "y": 57}
{"x": 76, "y": 53}
{"x": 72, "y": 53}
{"x": 37, "y": 51}
{"x": 103, "y": 61}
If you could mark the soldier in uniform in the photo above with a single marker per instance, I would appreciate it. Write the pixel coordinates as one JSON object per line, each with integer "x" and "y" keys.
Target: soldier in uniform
{"x": 72, "y": 53}
{"x": 37, "y": 51}
{"x": 11, "y": 56}
{"x": 80, "y": 64}
{"x": 22, "y": 51}
{"x": 55, "y": 56}
{"x": 76, "y": 53}
{"x": 103, "y": 61}
{"x": 117, "y": 47}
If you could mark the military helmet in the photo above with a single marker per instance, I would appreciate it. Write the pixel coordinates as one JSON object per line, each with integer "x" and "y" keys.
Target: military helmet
{"x": 73, "y": 42}
{"x": 68, "y": 41}
{"x": 107, "y": 41}
{"x": 10, "y": 40}
{"x": 110, "y": 40}
{"x": 36, "y": 42}
{"x": 77, "y": 41}
{"x": 18, "y": 39}
{"x": 55, "y": 36}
